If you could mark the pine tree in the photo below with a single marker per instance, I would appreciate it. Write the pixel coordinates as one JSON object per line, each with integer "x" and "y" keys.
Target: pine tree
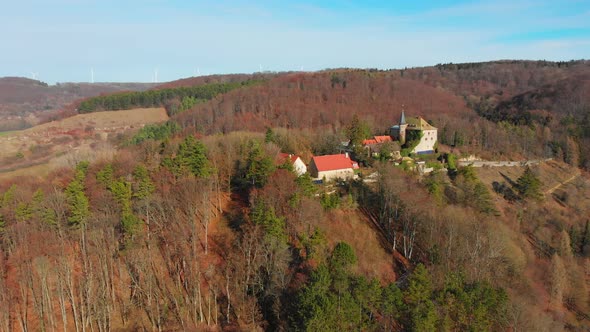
{"x": 258, "y": 166}
{"x": 105, "y": 176}
{"x": 192, "y": 157}
{"x": 265, "y": 216}
{"x": 77, "y": 200}
{"x": 529, "y": 185}
{"x": 357, "y": 130}
{"x": 418, "y": 299}
{"x": 270, "y": 136}
{"x": 144, "y": 186}
{"x": 121, "y": 190}
{"x": 23, "y": 212}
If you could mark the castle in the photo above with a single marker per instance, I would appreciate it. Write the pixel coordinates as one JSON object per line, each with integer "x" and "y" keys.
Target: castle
{"x": 413, "y": 129}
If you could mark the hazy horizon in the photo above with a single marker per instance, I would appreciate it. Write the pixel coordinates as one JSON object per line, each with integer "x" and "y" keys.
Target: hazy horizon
{"x": 64, "y": 40}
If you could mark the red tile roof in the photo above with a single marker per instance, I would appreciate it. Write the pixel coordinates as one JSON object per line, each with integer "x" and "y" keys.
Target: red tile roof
{"x": 377, "y": 140}
{"x": 333, "y": 162}
{"x": 383, "y": 139}
{"x": 282, "y": 157}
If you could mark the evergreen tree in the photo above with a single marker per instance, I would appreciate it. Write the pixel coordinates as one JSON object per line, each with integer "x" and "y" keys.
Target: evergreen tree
{"x": 8, "y": 197}
{"x": 191, "y": 157}
{"x": 144, "y": 186}
{"x": 265, "y": 216}
{"x": 306, "y": 185}
{"x": 343, "y": 257}
{"x": 105, "y": 176}
{"x": 78, "y": 202}
{"x": 418, "y": 299}
{"x": 258, "y": 166}
{"x": 23, "y": 212}
{"x": 529, "y": 185}
{"x": 122, "y": 192}
{"x": 392, "y": 305}
{"x": 357, "y": 131}
{"x": 270, "y": 136}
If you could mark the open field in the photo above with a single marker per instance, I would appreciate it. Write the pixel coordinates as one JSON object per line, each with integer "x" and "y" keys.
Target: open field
{"x": 53, "y": 144}
{"x": 103, "y": 121}
{"x": 551, "y": 173}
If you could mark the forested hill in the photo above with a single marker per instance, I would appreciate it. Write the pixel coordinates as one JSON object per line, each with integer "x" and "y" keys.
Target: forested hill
{"x": 198, "y": 224}
{"x": 157, "y": 97}
{"x": 475, "y": 106}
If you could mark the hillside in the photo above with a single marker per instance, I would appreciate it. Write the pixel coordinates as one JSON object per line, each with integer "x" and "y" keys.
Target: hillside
{"x": 311, "y": 100}
{"x": 193, "y": 225}
{"x": 25, "y": 102}
{"x": 62, "y": 143}
{"x": 465, "y": 101}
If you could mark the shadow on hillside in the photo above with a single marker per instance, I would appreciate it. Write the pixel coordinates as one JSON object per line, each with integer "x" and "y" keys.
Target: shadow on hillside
{"x": 509, "y": 180}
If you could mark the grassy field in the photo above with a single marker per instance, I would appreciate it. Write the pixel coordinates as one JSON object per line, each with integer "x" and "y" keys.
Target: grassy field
{"x": 5, "y": 133}
{"x": 101, "y": 121}
{"x": 551, "y": 174}
{"x": 40, "y": 146}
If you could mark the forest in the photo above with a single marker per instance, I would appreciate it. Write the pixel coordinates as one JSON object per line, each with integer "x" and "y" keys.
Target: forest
{"x": 192, "y": 225}
{"x": 157, "y": 97}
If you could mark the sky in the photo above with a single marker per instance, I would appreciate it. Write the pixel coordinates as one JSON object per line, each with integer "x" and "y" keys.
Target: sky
{"x": 130, "y": 40}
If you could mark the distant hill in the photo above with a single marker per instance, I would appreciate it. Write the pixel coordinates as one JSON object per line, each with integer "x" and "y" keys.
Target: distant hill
{"x": 474, "y": 105}
{"x": 25, "y": 102}
{"x": 230, "y": 78}
{"x": 329, "y": 98}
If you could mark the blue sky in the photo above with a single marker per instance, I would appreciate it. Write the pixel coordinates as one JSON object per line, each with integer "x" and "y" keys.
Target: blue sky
{"x": 127, "y": 40}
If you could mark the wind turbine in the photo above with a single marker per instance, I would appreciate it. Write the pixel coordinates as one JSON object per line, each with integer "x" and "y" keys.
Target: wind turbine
{"x": 34, "y": 75}
{"x": 92, "y": 75}
{"x": 260, "y": 66}
{"x": 156, "y": 75}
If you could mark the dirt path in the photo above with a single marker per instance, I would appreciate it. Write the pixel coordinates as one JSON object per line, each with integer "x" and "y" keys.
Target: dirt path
{"x": 552, "y": 189}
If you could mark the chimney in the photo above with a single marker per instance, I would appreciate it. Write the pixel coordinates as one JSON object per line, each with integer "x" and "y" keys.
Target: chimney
{"x": 346, "y": 155}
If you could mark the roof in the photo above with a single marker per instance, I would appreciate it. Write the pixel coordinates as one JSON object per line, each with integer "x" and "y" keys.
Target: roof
{"x": 383, "y": 139}
{"x": 333, "y": 162}
{"x": 377, "y": 140}
{"x": 283, "y": 157}
{"x": 418, "y": 123}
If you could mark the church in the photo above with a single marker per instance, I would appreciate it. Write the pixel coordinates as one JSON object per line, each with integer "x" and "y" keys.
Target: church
{"x": 415, "y": 128}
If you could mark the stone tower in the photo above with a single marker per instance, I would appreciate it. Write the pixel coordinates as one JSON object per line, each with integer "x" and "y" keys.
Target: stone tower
{"x": 402, "y": 128}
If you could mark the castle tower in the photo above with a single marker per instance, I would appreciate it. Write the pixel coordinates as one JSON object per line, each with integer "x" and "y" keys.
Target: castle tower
{"x": 402, "y": 128}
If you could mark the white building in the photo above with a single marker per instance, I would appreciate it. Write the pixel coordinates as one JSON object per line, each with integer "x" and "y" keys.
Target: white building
{"x": 298, "y": 164}
{"x": 414, "y": 128}
{"x": 332, "y": 167}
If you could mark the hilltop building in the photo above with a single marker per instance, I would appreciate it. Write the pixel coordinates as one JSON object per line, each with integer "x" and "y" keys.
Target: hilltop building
{"x": 298, "y": 164}
{"x": 374, "y": 146}
{"x": 332, "y": 166}
{"x": 415, "y": 128}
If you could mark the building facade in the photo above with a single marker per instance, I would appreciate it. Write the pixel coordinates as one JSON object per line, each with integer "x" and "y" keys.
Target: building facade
{"x": 415, "y": 128}
{"x": 331, "y": 167}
